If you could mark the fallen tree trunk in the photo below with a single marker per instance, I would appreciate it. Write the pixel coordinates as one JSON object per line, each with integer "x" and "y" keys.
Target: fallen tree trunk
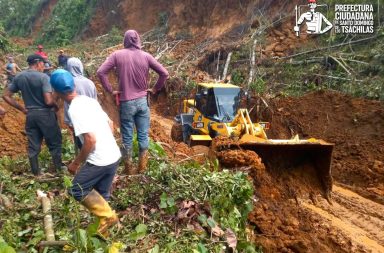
{"x": 227, "y": 65}
{"x": 334, "y": 46}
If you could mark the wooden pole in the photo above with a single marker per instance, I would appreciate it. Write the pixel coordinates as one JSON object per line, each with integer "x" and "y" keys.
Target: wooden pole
{"x": 253, "y": 63}
{"x": 227, "y": 65}
{"x": 48, "y": 221}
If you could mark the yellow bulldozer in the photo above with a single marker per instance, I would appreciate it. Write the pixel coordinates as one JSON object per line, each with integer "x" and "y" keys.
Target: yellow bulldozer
{"x": 215, "y": 111}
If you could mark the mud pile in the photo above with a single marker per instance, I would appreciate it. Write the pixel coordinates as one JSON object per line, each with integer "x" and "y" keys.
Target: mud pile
{"x": 13, "y": 141}
{"x": 354, "y": 125}
{"x": 279, "y": 221}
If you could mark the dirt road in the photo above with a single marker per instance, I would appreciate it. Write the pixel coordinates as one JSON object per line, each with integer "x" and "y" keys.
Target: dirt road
{"x": 353, "y": 217}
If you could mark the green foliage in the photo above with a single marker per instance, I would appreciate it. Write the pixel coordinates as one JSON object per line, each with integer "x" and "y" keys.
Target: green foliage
{"x": 228, "y": 194}
{"x": 68, "y": 147}
{"x": 139, "y": 233}
{"x": 238, "y": 77}
{"x": 18, "y": 16}
{"x": 168, "y": 203}
{"x": 4, "y": 40}
{"x": 5, "y": 248}
{"x": 115, "y": 36}
{"x": 69, "y": 17}
{"x": 258, "y": 86}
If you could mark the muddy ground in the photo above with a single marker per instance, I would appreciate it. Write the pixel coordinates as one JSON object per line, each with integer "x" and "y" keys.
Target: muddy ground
{"x": 290, "y": 215}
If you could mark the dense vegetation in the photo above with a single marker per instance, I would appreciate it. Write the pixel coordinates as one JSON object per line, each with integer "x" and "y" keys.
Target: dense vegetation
{"x": 172, "y": 208}
{"x": 18, "y": 16}
{"x": 67, "y": 20}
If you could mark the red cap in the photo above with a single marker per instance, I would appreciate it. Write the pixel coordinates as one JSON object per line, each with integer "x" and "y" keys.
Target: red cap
{"x": 312, "y": 1}
{"x": 40, "y": 46}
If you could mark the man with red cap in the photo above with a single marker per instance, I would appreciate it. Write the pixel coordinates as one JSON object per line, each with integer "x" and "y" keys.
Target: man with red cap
{"x": 41, "y": 52}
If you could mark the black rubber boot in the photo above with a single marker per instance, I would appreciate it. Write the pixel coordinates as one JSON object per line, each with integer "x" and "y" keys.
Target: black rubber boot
{"x": 34, "y": 163}
{"x": 57, "y": 163}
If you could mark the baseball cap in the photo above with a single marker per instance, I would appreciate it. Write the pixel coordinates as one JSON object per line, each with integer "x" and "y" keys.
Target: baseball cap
{"x": 62, "y": 81}
{"x": 40, "y": 46}
{"x": 33, "y": 58}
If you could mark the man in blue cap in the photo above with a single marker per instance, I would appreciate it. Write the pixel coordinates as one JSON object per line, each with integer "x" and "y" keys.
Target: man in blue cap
{"x": 95, "y": 166}
{"x": 40, "y": 107}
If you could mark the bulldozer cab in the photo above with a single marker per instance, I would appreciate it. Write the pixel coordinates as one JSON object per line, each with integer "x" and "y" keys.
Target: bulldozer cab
{"x": 218, "y": 102}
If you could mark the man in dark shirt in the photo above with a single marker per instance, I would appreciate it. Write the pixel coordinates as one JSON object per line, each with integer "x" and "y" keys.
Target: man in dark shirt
{"x": 39, "y": 106}
{"x": 62, "y": 60}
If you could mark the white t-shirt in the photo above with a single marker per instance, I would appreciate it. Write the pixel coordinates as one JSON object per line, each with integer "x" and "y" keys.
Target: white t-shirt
{"x": 87, "y": 116}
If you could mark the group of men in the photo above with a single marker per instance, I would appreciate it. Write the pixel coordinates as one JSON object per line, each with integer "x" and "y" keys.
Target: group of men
{"x": 96, "y": 163}
{"x": 11, "y": 68}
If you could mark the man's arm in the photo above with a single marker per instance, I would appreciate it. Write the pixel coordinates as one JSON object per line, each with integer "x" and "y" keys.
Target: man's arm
{"x": 8, "y": 97}
{"x": 88, "y": 146}
{"x": 50, "y": 100}
{"x": 161, "y": 71}
{"x": 103, "y": 70}
{"x": 17, "y": 68}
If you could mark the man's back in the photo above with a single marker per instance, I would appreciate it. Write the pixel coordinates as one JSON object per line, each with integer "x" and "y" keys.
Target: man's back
{"x": 33, "y": 85}
{"x": 132, "y": 65}
{"x": 88, "y": 117}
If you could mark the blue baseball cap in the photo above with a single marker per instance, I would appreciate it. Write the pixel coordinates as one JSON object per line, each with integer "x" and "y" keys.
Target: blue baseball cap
{"x": 62, "y": 81}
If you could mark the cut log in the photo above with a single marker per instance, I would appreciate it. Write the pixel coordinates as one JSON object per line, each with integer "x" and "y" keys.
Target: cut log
{"x": 48, "y": 221}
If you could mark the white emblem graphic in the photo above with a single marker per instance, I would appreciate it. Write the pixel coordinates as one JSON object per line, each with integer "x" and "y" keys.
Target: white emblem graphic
{"x": 314, "y": 20}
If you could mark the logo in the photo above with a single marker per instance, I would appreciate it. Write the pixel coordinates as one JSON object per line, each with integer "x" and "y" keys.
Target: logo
{"x": 313, "y": 19}
{"x": 354, "y": 18}
{"x": 348, "y": 18}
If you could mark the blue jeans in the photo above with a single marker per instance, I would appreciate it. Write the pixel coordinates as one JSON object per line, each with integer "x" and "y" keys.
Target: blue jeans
{"x": 93, "y": 177}
{"x": 135, "y": 113}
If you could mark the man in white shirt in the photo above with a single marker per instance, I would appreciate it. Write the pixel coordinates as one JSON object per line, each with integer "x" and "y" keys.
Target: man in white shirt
{"x": 95, "y": 166}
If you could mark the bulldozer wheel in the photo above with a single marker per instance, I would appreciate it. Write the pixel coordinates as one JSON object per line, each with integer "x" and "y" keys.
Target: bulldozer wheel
{"x": 177, "y": 132}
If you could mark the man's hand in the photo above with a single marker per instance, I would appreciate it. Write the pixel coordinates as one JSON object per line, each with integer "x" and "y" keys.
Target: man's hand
{"x": 8, "y": 97}
{"x": 73, "y": 167}
{"x": 88, "y": 146}
{"x": 152, "y": 91}
{"x": 71, "y": 128}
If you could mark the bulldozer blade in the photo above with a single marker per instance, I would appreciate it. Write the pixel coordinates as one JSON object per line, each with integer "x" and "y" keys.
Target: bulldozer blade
{"x": 286, "y": 154}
